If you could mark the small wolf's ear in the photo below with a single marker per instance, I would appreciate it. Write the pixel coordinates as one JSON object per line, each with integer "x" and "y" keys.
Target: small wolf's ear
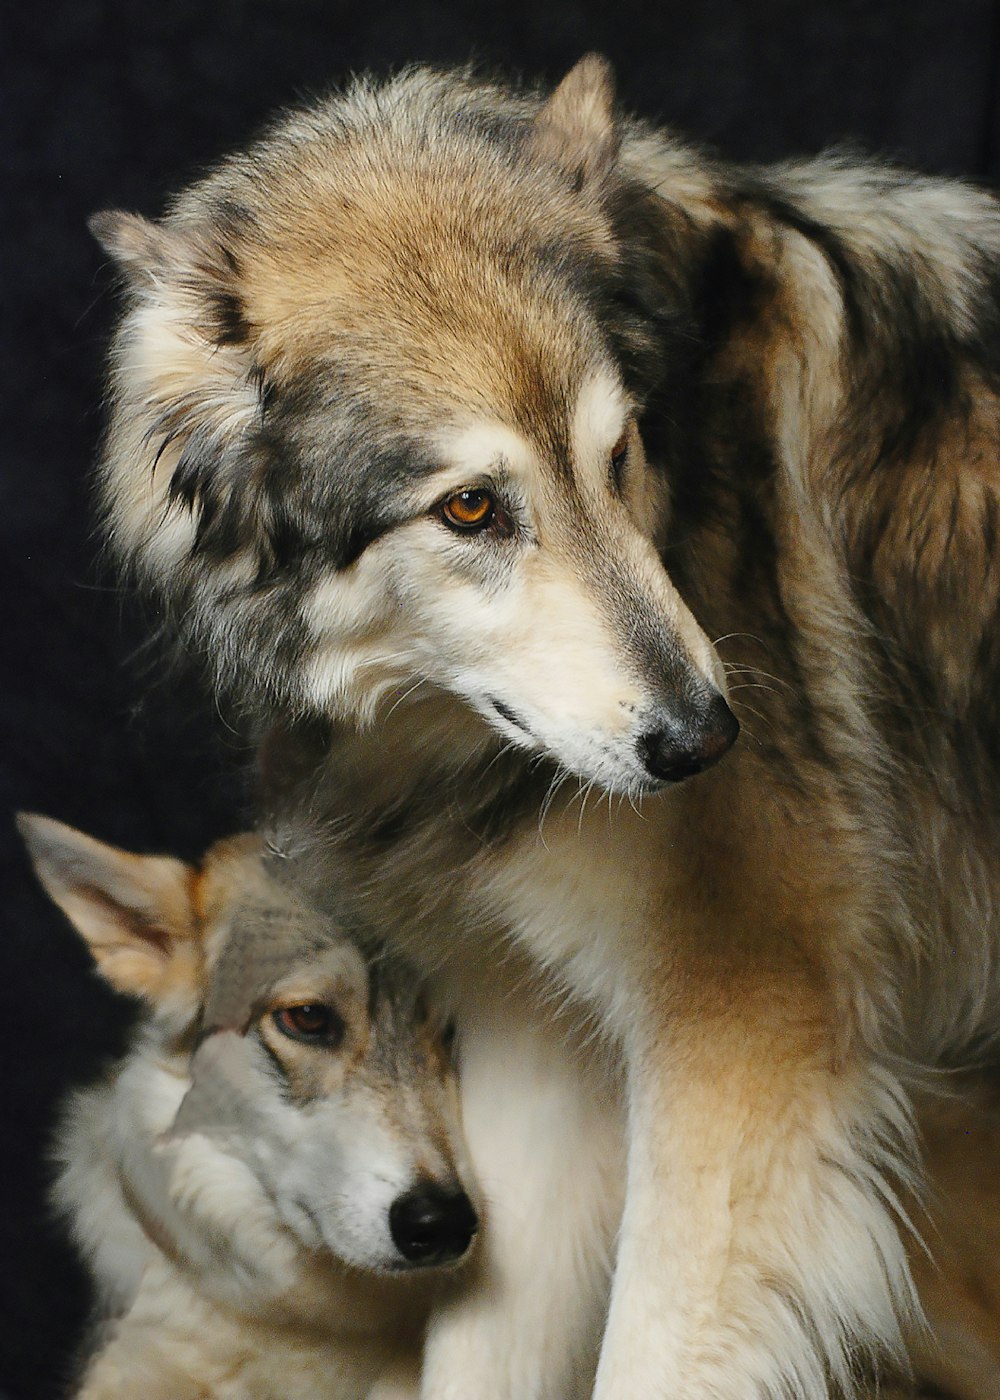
{"x": 135, "y": 912}
{"x": 577, "y": 128}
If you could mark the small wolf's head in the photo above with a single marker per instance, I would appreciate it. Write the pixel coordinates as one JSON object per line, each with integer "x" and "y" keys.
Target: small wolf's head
{"x": 377, "y": 404}
{"x": 309, "y": 1078}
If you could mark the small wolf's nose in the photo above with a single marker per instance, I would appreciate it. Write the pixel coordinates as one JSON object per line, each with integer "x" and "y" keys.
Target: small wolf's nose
{"x": 430, "y": 1225}
{"x": 688, "y": 743}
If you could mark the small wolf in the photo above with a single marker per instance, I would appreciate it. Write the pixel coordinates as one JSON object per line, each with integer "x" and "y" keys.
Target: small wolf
{"x": 280, "y": 1139}
{"x": 526, "y": 442}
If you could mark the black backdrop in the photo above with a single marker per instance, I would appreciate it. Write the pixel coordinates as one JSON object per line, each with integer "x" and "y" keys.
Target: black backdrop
{"x": 115, "y": 102}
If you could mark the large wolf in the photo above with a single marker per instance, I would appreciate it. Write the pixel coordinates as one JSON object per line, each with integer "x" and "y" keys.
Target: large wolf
{"x": 531, "y": 444}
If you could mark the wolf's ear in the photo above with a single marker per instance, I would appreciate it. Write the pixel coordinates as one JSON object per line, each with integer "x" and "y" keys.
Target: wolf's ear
{"x": 135, "y": 912}
{"x": 200, "y": 271}
{"x": 141, "y": 249}
{"x": 189, "y": 392}
{"x": 577, "y": 128}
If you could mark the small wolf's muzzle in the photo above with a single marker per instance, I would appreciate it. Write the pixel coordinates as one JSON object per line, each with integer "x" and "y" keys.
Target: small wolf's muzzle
{"x": 432, "y": 1225}
{"x": 688, "y": 740}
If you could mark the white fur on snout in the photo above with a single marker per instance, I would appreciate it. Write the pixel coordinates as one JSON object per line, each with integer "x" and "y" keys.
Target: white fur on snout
{"x": 540, "y": 641}
{"x": 543, "y": 650}
{"x": 334, "y": 1174}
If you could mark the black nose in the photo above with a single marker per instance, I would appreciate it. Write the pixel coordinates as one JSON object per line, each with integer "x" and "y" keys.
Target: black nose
{"x": 430, "y": 1225}
{"x": 689, "y": 742}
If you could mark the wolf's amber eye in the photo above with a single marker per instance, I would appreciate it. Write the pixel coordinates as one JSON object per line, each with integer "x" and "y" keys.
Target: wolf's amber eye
{"x": 469, "y": 510}
{"x": 619, "y": 456}
{"x": 312, "y": 1022}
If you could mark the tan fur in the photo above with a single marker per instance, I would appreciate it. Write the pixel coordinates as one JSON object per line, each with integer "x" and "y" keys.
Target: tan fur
{"x": 959, "y": 1271}
{"x": 204, "y": 1289}
{"x": 436, "y": 285}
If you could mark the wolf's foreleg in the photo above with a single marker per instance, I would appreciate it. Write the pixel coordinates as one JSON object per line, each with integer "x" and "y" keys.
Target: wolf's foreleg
{"x": 759, "y": 1255}
{"x": 545, "y": 1136}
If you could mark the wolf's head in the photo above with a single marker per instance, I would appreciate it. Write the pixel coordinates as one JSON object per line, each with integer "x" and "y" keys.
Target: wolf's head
{"x": 313, "y": 1087}
{"x": 376, "y": 415}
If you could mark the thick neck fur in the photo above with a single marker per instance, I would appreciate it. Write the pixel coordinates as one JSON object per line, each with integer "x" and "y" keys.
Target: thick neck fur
{"x": 427, "y": 786}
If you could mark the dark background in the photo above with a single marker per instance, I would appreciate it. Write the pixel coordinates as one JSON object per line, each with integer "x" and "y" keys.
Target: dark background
{"x": 116, "y": 102}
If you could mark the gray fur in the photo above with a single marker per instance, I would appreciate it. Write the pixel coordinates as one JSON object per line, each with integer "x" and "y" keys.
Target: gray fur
{"x": 808, "y": 358}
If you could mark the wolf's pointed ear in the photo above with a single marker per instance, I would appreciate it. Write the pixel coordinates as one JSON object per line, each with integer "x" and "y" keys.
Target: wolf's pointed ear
{"x": 577, "y": 128}
{"x": 199, "y": 268}
{"x": 135, "y": 912}
{"x": 144, "y": 251}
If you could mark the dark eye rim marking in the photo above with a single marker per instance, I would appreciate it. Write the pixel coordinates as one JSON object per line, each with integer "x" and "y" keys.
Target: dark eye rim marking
{"x": 310, "y": 1023}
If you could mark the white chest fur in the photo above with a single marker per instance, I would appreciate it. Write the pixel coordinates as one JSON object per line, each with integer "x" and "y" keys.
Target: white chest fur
{"x": 580, "y": 893}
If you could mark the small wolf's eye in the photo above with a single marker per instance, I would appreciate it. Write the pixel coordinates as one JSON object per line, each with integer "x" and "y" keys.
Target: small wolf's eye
{"x": 312, "y": 1023}
{"x": 469, "y": 510}
{"x": 619, "y": 456}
